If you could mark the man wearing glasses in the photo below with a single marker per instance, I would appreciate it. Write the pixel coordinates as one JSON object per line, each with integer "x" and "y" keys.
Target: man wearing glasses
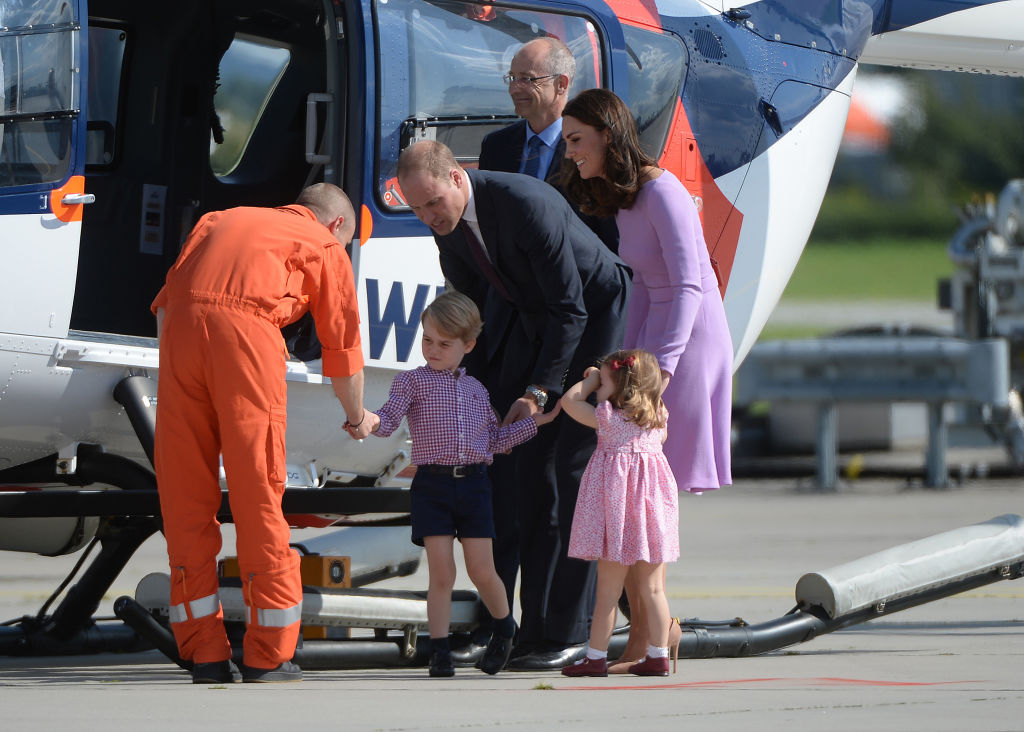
{"x": 538, "y": 83}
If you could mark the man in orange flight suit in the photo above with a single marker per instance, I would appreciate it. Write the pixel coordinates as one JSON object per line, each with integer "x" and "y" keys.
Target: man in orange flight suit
{"x": 242, "y": 275}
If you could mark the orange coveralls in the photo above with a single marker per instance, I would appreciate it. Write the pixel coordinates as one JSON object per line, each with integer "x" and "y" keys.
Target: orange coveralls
{"x": 241, "y": 275}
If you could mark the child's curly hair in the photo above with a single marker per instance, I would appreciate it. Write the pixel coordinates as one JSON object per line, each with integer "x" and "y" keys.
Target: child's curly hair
{"x": 637, "y": 378}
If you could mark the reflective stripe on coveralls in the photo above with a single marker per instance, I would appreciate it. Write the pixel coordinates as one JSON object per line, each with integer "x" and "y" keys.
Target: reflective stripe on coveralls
{"x": 200, "y": 608}
{"x": 275, "y": 617}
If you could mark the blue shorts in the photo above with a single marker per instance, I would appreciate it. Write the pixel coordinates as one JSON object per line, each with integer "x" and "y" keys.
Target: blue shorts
{"x": 443, "y": 505}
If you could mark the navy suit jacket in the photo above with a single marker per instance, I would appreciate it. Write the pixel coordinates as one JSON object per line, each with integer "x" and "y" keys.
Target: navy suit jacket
{"x": 559, "y": 276}
{"x": 503, "y": 150}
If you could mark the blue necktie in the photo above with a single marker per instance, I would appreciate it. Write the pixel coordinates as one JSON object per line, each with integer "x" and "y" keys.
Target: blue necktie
{"x": 532, "y": 167}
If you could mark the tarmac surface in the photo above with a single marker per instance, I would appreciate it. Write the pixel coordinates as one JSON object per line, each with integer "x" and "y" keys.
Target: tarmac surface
{"x": 952, "y": 664}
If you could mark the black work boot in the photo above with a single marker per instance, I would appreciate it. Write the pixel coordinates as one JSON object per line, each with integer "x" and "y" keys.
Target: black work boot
{"x": 216, "y": 672}
{"x": 283, "y": 672}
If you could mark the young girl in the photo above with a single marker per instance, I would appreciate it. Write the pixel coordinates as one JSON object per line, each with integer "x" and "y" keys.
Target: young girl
{"x": 627, "y": 510}
{"x": 455, "y": 434}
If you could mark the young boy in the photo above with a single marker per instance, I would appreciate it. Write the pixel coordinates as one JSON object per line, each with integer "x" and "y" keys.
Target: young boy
{"x": 455, "y": 434}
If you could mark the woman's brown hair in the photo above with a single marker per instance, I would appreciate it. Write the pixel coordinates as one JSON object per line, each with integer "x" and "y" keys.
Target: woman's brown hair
{"x": 623, "y": 158}
{"x": 637, "y": 378}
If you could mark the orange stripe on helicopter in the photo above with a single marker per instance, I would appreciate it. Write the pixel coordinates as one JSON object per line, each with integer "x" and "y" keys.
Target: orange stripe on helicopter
{"x": 720, "y": 220}
{"x": 66, "y": 213}
{"x": 638, "y": 11}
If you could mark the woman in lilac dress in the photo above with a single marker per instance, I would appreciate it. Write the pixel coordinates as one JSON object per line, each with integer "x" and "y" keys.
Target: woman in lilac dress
{"x": 675, "y": 311}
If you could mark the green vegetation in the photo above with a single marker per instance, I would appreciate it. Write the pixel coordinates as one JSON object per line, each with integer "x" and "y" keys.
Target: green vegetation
{"x": 858, "y": 270}
{"x": 856, "y": 212}
{"x": 883, "y": 228}
{"x": 793, "y": 332}
{"x": 878, "y": 269}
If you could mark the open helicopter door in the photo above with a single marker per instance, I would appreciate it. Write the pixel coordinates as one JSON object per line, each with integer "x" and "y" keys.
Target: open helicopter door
{"x": 42, "y": 133}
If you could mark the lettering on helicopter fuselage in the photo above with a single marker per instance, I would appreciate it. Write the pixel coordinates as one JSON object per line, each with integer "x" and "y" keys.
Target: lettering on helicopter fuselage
{"x": 394, "y": 315}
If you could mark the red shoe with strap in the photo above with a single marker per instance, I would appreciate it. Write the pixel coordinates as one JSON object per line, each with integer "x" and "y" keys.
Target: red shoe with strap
{"x": 650, "y": 667}
{"x": 587, "y": 667}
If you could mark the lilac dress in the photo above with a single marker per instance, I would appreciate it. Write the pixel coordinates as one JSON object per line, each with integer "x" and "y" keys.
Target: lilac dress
{"x": 628, "y": 508}
{"x": 676, "y": 313}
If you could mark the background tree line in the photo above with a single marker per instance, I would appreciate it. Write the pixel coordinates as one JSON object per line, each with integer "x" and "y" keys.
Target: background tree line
{"x": 960, "y": 139}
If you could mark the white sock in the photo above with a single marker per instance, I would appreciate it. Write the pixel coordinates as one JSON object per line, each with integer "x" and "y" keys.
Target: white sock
{"x": 656, "y": 652}
{"x": 595, "y": 655}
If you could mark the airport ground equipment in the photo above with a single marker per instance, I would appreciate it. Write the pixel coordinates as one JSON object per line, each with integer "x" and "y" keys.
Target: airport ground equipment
{"x": 880, "y": 584}
{"x": 986, "y": 293}
{"x": 826, "y": 371}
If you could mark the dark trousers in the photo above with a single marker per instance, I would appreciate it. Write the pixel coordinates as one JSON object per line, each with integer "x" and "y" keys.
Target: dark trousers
{"x": 534, "y": 493}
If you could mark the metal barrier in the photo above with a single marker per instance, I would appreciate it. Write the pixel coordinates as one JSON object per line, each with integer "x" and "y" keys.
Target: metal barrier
{"x": 826, "y": 371}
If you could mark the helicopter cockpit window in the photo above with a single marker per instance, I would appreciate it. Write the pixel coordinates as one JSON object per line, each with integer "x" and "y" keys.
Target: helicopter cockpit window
{"x": 38, "y": 90}
{"x": 249, "y": 74}
{"x": 657, "y": 70}
{"x": 441, "y": 66}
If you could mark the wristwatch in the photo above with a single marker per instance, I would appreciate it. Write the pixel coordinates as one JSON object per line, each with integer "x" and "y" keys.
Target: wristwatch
{"x": 538, "y": 394}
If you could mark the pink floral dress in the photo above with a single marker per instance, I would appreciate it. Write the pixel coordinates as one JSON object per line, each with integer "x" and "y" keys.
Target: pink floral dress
{"x": 628, "y": 505}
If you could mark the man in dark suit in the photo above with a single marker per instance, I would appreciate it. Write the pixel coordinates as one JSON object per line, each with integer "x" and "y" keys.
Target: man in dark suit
{"x": 539, "y": 79}
{"x": 504, "y": 239}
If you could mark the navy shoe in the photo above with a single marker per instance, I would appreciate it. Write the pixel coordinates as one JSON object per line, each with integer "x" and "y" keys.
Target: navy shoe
{"x": 495, "y": 658}
{"x": 469, "y": 654}
{"x": 284, "y": 672}
{"x": 217, "y": 672}
{"x": 441, "y": 665}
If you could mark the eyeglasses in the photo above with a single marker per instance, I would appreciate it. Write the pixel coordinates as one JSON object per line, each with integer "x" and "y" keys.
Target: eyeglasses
{"x": 511, "y": 79}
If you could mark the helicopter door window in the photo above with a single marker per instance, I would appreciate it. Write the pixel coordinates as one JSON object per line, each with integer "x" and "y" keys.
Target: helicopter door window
{"x": 249, "y": 73}
{"x": 657, "y": 70}
{"x": 441, "y": 66}
{"x": 106, "y": 66}
{"x": 38, "y": 91}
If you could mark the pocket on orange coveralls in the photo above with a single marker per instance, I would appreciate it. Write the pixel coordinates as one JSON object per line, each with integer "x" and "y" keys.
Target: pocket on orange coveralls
{"x": 276, "y": 451}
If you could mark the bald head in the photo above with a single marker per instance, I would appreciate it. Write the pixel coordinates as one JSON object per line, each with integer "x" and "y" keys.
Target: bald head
{"x": 332, "y": 208}
{"x": 554, "y": 55}
{"x": 327, "y": 201}
{"x": 550, "y": 62}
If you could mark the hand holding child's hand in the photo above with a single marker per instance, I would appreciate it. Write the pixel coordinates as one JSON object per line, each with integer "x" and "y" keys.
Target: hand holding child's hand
{"x": 521, "y": 408}
{"x": 369, "y": 423}
{"x": 543, "y": 418}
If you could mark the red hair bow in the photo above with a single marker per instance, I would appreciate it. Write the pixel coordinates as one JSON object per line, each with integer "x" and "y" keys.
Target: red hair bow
{"x": 627, "y": 361}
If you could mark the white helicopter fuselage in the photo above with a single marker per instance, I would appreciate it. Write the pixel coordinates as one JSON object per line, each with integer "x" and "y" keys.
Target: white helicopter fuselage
{"x": 57, "y": 376}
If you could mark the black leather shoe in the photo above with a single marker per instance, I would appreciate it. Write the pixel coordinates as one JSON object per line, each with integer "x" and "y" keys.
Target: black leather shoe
{"x": 495, "y": 658}
{"x": 441, "y": 665}
{"x": 218, "y": 672}
{"x": 550, "y": 659}
{"x": 523, "y": 648}
{"x": 468, "y": 655}
{"x": 285, "y": 671}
